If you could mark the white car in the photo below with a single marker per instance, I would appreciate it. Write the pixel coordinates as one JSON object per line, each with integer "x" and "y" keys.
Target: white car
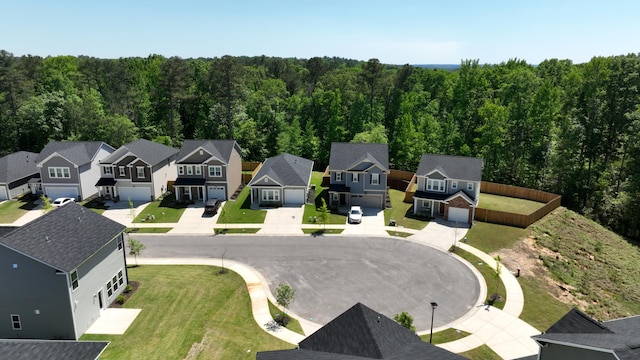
{"x": 62, "y": 201}
{"x": 355, "y": 215}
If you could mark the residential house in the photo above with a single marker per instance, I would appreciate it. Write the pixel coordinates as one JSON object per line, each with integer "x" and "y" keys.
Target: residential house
{"x": 577, "y": 336}
{"x": 361, "y": 333}
{"x": 208, "y": 169}
{"x": 70, "y": 168}
{"x": 358, "y": 175}
{"x": 281, "y": 180}
{"x": 137, "y": 171}
{"x": 59, "y": 272}
{"x": 51, "y": 349}
{"x": 448, "y": 186}
{"x": 16, "y": 170}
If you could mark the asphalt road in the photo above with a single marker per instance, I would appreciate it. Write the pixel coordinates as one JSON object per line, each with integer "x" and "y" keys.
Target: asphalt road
{"x": 330, "y": 274}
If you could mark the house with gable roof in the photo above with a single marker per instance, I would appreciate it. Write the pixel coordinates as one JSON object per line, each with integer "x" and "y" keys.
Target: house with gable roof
{"x": 139, "y": 171}
{"x": 59, "y": 272}
{"x": 448, "y": 186}
{"x": 281, "y": 180}
{"x": 358, "y": 175}
{"x": 208, "y": 169}
{"x": 70, "y": 168}
{"x": 361, "y": 333}
{"x": 16, "y": 170}
{"x": 578, "y": 336}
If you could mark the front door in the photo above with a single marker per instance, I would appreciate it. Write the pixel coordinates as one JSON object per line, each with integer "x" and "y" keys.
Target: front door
{"x": 343, "y": 199}
{"x": 100, "y": 300}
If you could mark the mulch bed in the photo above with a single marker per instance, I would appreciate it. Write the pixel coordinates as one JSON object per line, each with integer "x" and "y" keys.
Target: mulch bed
{"x": 127, "y": 295}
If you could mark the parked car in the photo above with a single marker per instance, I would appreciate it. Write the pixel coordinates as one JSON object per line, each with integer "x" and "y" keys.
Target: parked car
{"x": 211, "y": 207}
{"x": 62, "y": 201}
{"x": 355, "y": 215}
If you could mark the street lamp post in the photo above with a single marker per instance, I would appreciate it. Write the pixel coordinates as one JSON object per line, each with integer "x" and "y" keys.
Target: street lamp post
{"x": 434, "y": 305}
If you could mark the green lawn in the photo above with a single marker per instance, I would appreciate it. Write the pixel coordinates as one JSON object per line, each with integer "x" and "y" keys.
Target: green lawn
{"x": 240, "y": 212}
{"x": 541, "y": 309}
{"x": 489, "y": 275}
{"x": 402, "y": 212}
{"x": 311, "y": 210}
{"x": 509, "y": 204}
{"x": 293, "y": 324}
{"x": 491, "y": 237}
{"x": 148, "y": 230}
{"x": 165, "y": 211}
{"x": 236, "y": 230}
{"x": 399, "y": 233}
{"x": 12, "y": 210}
{"x": 322, "y": 231}
{"x": 481, "y": 353}
{"x": 95, "y": 205}
{"x": 445, "y": 336}
{"x": 185, "y": 307}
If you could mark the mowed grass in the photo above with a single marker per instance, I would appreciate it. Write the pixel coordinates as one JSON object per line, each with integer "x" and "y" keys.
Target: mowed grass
{"x": 482, "y": 352}
{"x": 541, "y": 309}
{"x": 492, "y": 237}
{"x": 95, "y": 205}
{"x": 445, "y": 336}
{"x": 185, "y": 307}
{"x": 311, "y": 210}
{"x": 489, "y": 274}
{"x": 12, "y": 210}
{"x": 240, "y": 211}
{"x": 402, "y": 212}
{"x": 293, "y": 324}
{"x": 508, "y": 204}
{"x": 149, "y": 230}
{"x": 165, "y": 211}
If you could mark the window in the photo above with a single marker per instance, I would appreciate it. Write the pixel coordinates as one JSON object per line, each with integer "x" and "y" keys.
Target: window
{"x": 120, "y": 243}
{"x": 121, "y": 171}
{"x": 354, "y": 177}
{"x": 470, "y": 186}
{"x": 59, "y": 172}
{"x": 338, "y": 176}
{"x": 454, "y": 184}
{"x": 116, "y": 282}
{"x": 375, "y": 179}
{"x": 335, "y": 196}
{"x": 435, "y": 185}
{"x": 120, "y": 278}
{"x": 198, "y": 170}
{"x": 16, "y": 324}
{"x": 215, "y": 171}
{"x": 270, "y": 195}
{"x": 74, "y": 279}
{"x": 140, "y": 170}
{"x": 189, "y": 170}
{"x": 180, "y": 170}
{"x": 107, "y": 170}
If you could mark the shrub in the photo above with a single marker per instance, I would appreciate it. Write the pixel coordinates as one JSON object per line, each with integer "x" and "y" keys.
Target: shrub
{"x": 128, "y": 288}
{"x": 120, "y": 299}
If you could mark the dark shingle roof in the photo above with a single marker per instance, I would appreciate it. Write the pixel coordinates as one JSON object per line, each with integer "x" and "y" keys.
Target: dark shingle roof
{"x": 63, "y": 238}
{"x": 344, "y": 156}
{"x": 51, "y": 349}
{"x": 221, "y": 149}
{"x": 18, "y": 165}
{"x": 453, "y": 167}
{"x": 286, "y": 169}
{"x": 148, "y": 151}
{"x": 78, "y": 152}
{"x": 575, "y": 321}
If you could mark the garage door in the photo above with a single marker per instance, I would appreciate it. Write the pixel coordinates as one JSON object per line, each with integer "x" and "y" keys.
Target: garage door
{"x": 58, "y": 192}
{"x": 3, "y": 193}
{"x": 294, "y": 196}
{"x": 367, "y": 201}
{"x": 459, "y": 215}
{"x": 135, "y": 193}
{"x": 217, "y": 192}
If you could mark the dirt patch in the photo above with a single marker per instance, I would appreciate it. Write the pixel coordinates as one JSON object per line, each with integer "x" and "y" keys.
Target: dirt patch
{"x": 525, "y": 255}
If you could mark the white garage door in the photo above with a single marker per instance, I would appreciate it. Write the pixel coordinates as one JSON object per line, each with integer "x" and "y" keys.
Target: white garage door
{"x": 294, "y": 196}
{"x": 367, "y": 201}
{"x": 459, "y": 215}
{"x": 135, "y": 193}
{"x": 3, "y": 193}
{"x": 58, "y": 192}
{"x": 217, "y": 192}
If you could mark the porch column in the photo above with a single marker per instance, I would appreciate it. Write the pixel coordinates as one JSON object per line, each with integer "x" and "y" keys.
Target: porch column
{"x": 415, "y": 206}
{"x": 177, "y": 191}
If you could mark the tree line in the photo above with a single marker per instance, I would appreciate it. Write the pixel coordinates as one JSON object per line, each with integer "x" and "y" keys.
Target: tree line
{"x": 571, "y": 129}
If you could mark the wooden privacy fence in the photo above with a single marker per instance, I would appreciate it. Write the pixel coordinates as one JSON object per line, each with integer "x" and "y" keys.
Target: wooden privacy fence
{"x": 552, "y": 201}
{"x": 254, "y": 167}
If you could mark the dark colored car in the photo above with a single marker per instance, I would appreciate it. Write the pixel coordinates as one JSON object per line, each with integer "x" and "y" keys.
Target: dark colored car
{"x": 211, "y": 207}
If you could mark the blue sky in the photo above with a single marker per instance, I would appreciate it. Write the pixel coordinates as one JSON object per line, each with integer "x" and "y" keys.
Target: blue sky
{"x": 395, "y": 32}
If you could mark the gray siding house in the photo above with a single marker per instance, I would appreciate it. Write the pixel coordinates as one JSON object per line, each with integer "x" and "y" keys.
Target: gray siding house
{"x": 358, "y": 175}
{"x": 137, "y": 171}
{"x": 70, "y": 169}
{"x": 282, "y": 180}
{"x": 448, "y": 186}
{"x": 16, "y": 170}
{"x": 60, "y": 271}
{"x": 208, "y": 169}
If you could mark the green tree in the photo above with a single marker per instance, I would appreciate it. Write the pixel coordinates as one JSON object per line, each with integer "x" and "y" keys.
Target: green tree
{"x": 323, "y": 213}
{"x": 226, "y": 85}
{"x": 371, "y": 75}
{"x": 405, "y": 320}
{"x": 285, "y": 295}
{"x": 136, "y": 248}
{"x": 373, "y": 135}
{"x": 46, "y": 204}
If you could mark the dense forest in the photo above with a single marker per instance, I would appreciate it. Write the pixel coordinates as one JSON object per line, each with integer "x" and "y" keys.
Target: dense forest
{"x": 572, "y": 129}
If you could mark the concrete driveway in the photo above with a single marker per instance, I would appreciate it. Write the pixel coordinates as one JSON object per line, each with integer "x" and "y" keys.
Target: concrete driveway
{"x": 372, "y": 224}
{"x": 121, "y": 211}
{"x": 283, "y": 220}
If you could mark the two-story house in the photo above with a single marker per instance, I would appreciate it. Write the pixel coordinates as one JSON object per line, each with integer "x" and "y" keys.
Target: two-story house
{"x": 448, "y": 186}
{"x": 281, "y": 180}
{"x": 71, "y": 168}
{"x": 137, "y": 171}
{"x": 16, "y": 170}
{"x": 208, "y": 169}
{"x": 58, "y": 272}
{"x": 358, "y": 175}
